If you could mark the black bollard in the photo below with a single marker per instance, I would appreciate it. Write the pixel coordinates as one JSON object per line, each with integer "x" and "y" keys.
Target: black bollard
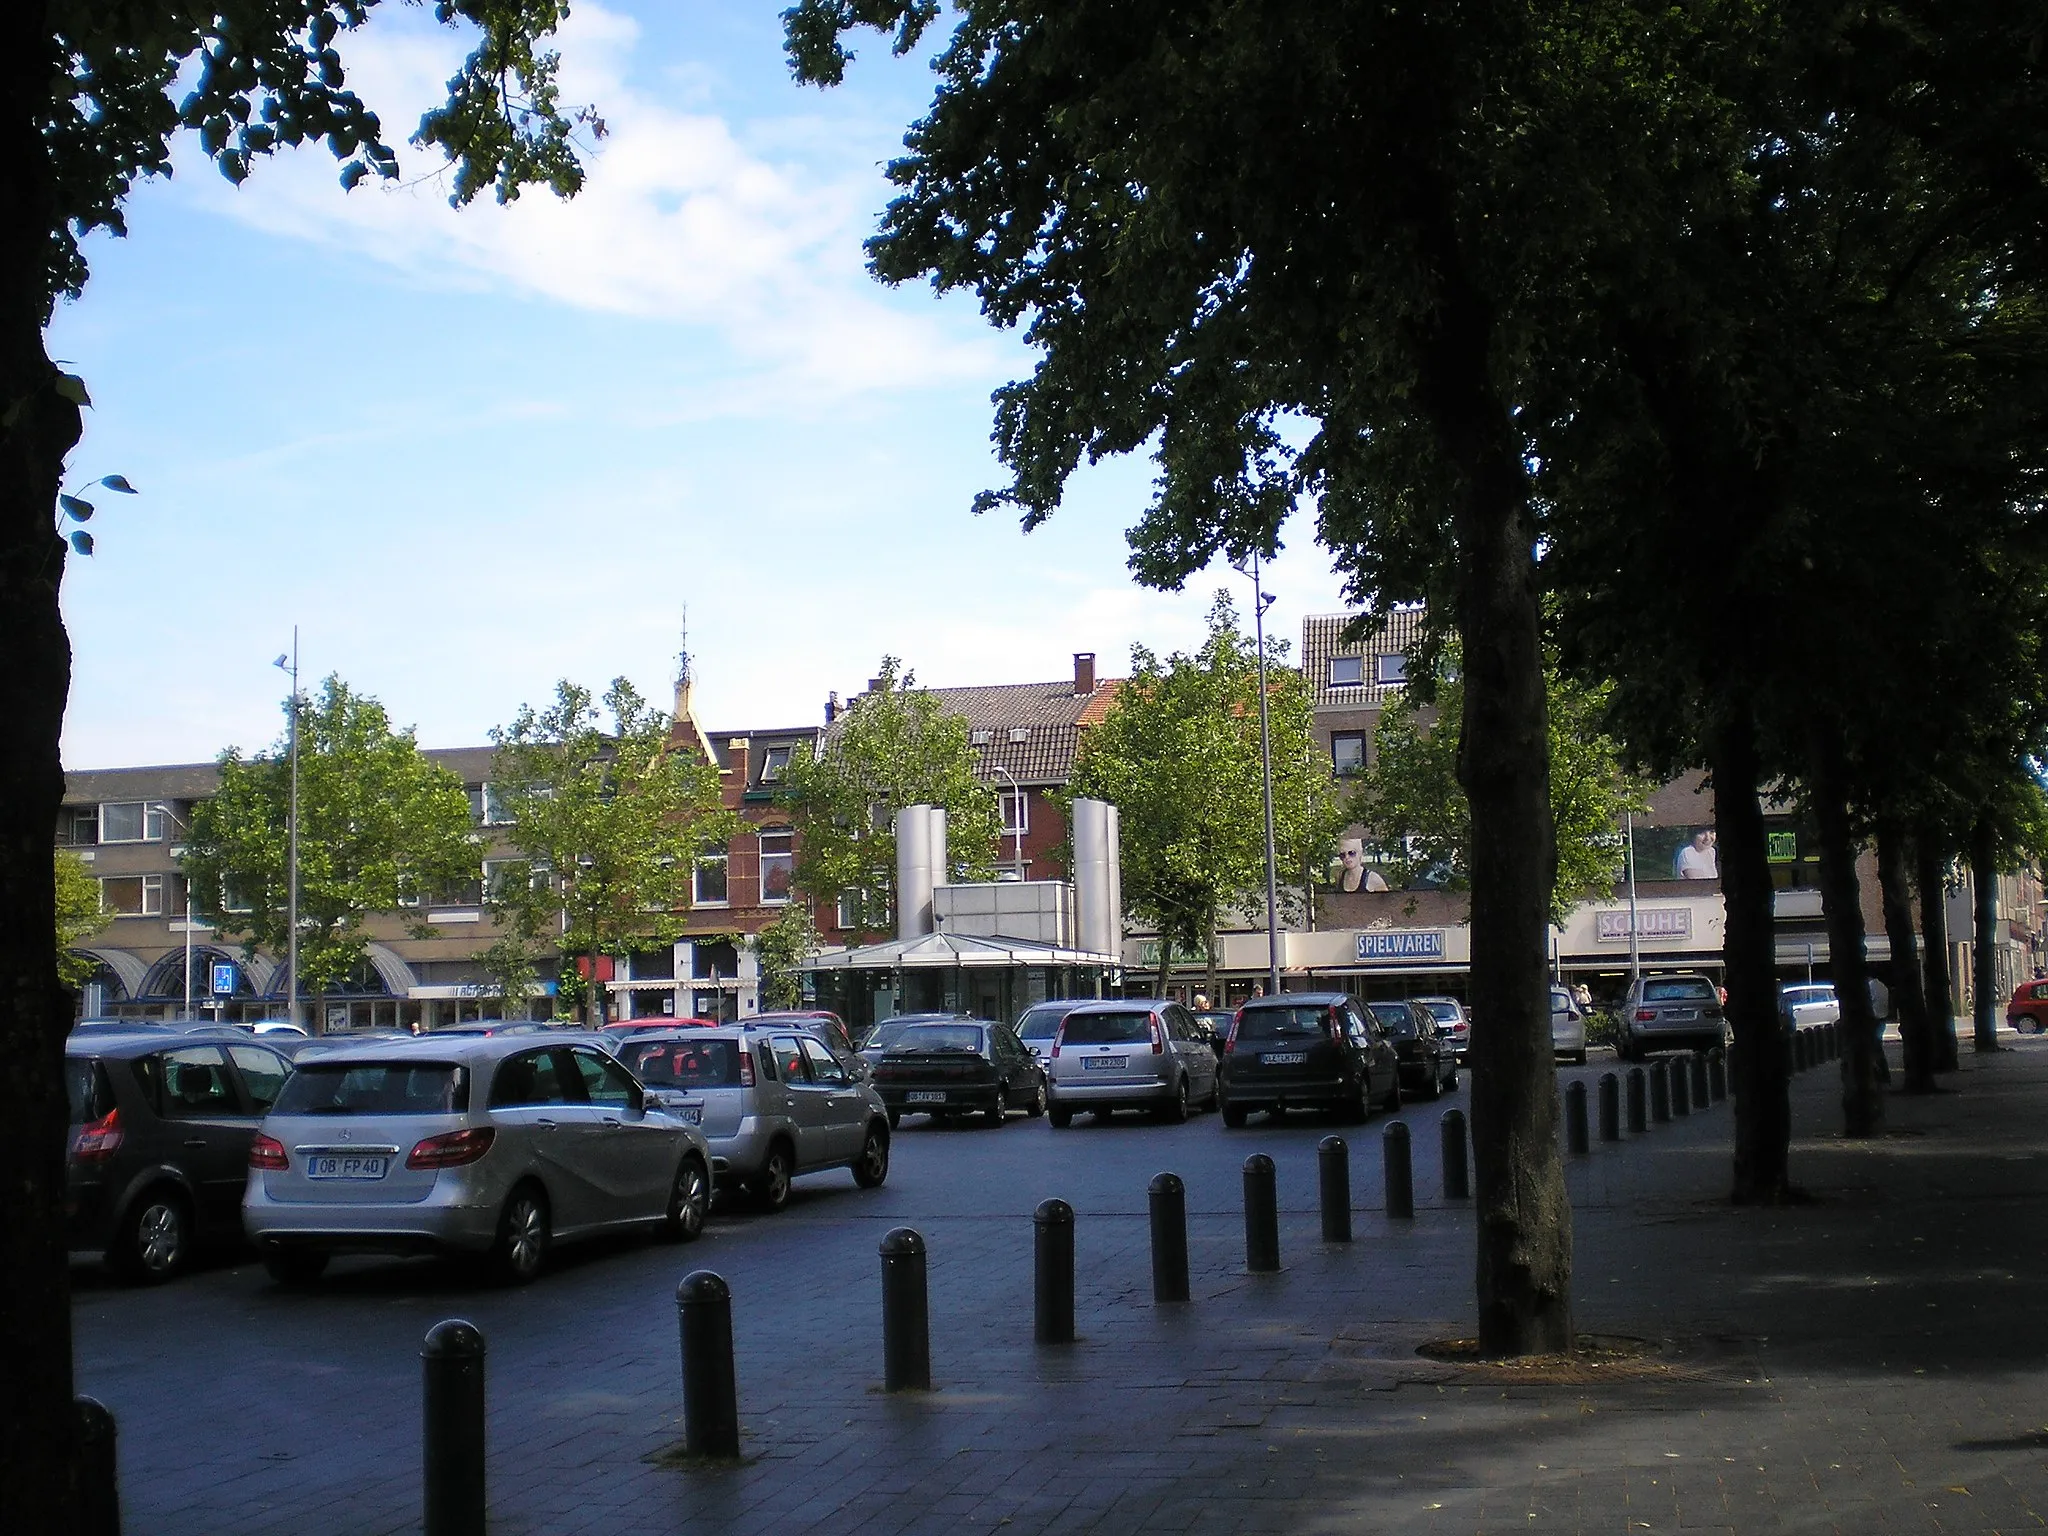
{"x": 1834, "y": 1033}
{"x": 711, "y": 1405}
{"x": 452, "y": 1365}
{"x": 1400, "y": 1170}
{"x": 1053, "y": 1266}
{"x": 1638, "y": 1102}
{"x": 1660, "y": 1091}
{"x": 1168, "y": 1198}
{"x": 1575, "y": 1118}
{"x": 1699, "y": 1079}
{"x": 1333, "y": 1169}
{"x": 1717, "y": 1075}
{"x": 1802, "y": 1051}
{"x": 1610, "y": 1107}
{"x": 1457, "y": 1162}
{"x": 99, "y": 1490}
{"x": 906, "y": 1315}
{"x": 1261, "y": 1216}
{"x": 1681, "y": 1088}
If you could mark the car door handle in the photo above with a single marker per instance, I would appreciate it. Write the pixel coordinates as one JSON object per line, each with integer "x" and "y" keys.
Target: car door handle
{"x": 608, "y": 1120}
{"x": 545, "y": 1125}
{"x": 196, "y": 1141}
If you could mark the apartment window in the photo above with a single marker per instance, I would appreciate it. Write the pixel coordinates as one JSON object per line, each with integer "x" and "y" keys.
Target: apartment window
{"x": 503, "y": 876}
{"x": 708, "y": 885}
{"x": 82, "y": 824}
{"x": 1347, "y": 671}
{"x": 497, "y": 812}
{"x": 850, "y": 905}
{"x": 458, "y": 893}
{"x": 1019, "y": 733}
{"x": 131, "y": 821}
{"x": 714, "y": 958}
{"x": 1393, "y": 669}
{"x": 1347, "y": 752}
{"x": 774, "y": 764}
{"x": 234, "y": 899}
{"x": 132, "y": 895}
{"x": 1016, "y": 812}
{"x": 778, "y": 866}
{"x": 980, "y": 738}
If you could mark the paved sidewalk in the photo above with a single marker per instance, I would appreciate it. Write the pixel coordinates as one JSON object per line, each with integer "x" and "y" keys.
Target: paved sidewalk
{"x": 1866, "y": 1363}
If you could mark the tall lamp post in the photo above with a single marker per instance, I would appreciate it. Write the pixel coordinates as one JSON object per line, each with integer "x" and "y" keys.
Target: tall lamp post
{"x": 1635, "y": 950}
{"x": 1261, "y": 600}
{"x": 291, "y": 665}
{"x": 165, "y": 811}
{"x": 1016, "y": 832}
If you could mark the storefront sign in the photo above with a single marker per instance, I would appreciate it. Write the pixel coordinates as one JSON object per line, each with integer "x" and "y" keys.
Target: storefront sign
{"x": 1651, "y": 923}
{"x": 1401, "y": 944}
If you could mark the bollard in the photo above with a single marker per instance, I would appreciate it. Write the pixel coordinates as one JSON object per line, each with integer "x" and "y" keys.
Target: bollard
{"x": 1400, "y": 1171}
{"x": 1699, "y": 1079}
{"x": 1053, "y": 1283}
{"x": 1168, "y": 1198}
{"x": 711, "y": 1407}
{"x": 1717, "y": 1075}
{"x": 99, "y": 1491}
{"x": 1261, "y": 1216}
{"x": 1834, "y": 1032}
{"x": 1638, "y": 1102}
{"x": 1802, "y": 1051}
{"x": 452, "y": 1368}
{"x": 1457, "y": 1165}
{"x": 1333, "y": 1168}
{"x": 1660, "y": 1091}
{"x": 1681, "y": 1088}
{"x": 1575, "y": 1119}
{"x": 1610, "y": 1107}
{"x": 906, "y": 1314}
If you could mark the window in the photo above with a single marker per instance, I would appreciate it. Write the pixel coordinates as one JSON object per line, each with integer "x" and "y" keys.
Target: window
{"x": 234, "y": 899}
{"x": 502, "y": 876}
{"x": 653, "y": 964}
{"x": 604, "y": 1082}
{"x": 263, "y": 1072}
{"x": 1394, "y": 669}
{"x": 496, "y": 813}
{"x": 789, "y": 1058}
{"x": 825, "y": 1067}
{"x": 82, "y": 825}
{"x": 131, "y": 821}
{"x": 1016, "y": 811}
{"x": 1019, "y": 733}
{"x": 132, "y": 895}
{"x": 1347, "y": 752}
{"x": 458, "y": 893}
{"x": 778, "y": 866}
{"x": 195, "y": 1084}
{"x": 851, "y": 904}
{"x": 774, "y": 764}
{"x": 708, "y": 887}
{"x": 534, "y": 1078}
{"x": 980, "y": 738}
{"x": 376, "y": 1088}
{"x": 1347, "y": 671}
{"x": 714, "y": 959}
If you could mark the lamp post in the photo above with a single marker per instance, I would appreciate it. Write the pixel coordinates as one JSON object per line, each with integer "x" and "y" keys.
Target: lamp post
{"x": 1635, "y": 953}
{"x": 165, "y": 811}
{"x": 291, "y": 666}
{"x": 1261, "y": 599}
{"x": 1017, "y": 832}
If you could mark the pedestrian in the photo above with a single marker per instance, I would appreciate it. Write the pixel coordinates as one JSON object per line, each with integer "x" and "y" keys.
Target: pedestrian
{"x": 1201, "y": 1002}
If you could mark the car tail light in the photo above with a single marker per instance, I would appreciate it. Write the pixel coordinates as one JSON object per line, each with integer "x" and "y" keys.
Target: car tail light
{"x": 746, "y": 1067}
{"x": 267, "y": 1152}
{"x": 1230, "y": 1035}
{"x": 1644, "y": 1015}
{"x": 453, "y": 1149}
{"x": 1158, "y": 1037}
{"x": 1056, "y": 1042}
{"x": 100, "y": 1140}
{"x": 1336, "y": 1025}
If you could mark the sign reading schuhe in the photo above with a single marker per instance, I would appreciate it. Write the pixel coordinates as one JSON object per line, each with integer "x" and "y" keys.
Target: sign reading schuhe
{"x": 1401, "y": 944}
{"x": 1651, "y": 923}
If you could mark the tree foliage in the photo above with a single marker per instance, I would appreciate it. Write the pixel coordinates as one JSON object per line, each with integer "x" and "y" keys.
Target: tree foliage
{"x": 895, "y": 745}
{"x": 381, "y": 830}
{"x": 78, "y": 917}
{"x": 611, "y": 817}
{"x": 781, "y": 949}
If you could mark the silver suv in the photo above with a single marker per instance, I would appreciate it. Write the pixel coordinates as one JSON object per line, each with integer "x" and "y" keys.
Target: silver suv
{"x": 773, "y": 1102}
{"x": 1136, "y": 1053}
{"x": 1665, "y": 1013}
{"x": 485, "y": 1144}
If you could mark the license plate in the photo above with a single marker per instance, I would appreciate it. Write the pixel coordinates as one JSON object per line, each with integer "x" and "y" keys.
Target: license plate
{"x": 925, "y": 1096}
{"x": 690, "y": 1114}
{"x": 1105, "y": 1063}
{"x": 1284, "y": 1058}
{"x": 1681, "y": 1015}
{"x": 336, "y": 1167}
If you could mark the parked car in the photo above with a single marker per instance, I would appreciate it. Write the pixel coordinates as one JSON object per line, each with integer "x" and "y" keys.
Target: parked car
{"x": 1453, "y": 1023}
{"x": 1662, "y": 1013}
{"x": 1307, "y": 1050}
{"x": 881, "y": 1036}
{"x": 822, "y": 1022}
{"x": 1428, "y": 1065}
{"x": 961, "y": 1067}
{"x": 1216, "y": 1023}
{"x": 495, "y": 1145}
{"x": 1037, "y": 1024}
{"x": 772, "y": 1103}
{"x": 1567, "y": 1026}
{"x": 1814, "y": 1002}
{"x": 1133, "y": 1053}
{"x": 2028, "y": 1010}
{"x": 160, "y": 1128}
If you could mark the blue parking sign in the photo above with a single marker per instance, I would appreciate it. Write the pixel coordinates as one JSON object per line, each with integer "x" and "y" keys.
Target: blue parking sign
{"x": 223, "y": 978}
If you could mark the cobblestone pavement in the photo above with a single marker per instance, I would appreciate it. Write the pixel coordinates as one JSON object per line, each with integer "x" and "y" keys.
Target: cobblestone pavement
{"x": 1867, "y": 1363}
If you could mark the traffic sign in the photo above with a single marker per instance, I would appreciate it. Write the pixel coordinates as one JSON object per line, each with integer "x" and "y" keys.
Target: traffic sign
{"x": 223, "y": 978}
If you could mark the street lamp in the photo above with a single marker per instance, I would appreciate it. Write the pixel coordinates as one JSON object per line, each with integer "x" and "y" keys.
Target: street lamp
{"x": 290, "y": 665}
{"x": 1261, "y": 600}
{"x": 1017, "y": 832}
{"x": 1635, "y": 952}
{"x": 164, "y": 810}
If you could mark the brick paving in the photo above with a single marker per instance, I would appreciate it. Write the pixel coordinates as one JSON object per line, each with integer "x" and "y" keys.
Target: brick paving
{"x": 1868, "y": 1363}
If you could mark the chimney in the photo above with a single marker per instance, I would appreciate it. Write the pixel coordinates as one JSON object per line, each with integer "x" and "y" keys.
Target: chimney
{"x": 832, "y": 706}
{"x": 736, "y": 758}
{"x": 874, "y": 685}
{"x": 1084, "y": 673}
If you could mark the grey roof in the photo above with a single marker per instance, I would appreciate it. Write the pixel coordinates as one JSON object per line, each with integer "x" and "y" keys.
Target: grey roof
{"x": 946, "y": 950}
{"x": 1322, "y": 637}
{"x": 1051, "y": 717}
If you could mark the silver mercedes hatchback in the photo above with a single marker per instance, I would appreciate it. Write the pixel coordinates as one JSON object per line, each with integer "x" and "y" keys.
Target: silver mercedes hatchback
{"x": 492, "y": 1145}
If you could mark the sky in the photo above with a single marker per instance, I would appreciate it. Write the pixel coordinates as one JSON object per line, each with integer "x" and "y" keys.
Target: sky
{"x": 466, "y": 454}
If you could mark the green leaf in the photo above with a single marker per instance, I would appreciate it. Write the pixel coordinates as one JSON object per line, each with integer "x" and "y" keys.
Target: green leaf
{"x": 72, "y": 388}
{"x": 77, "y": 508}
{"x": 118, "y": 483}
{"x": 82, "y": 542}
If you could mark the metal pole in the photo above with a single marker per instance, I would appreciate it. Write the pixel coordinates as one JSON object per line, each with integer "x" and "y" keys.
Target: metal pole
{"x": 711, "y": 1407}
{"x": 1266, "y": 788}
{"x": 1635, "y": 954}
{"x": 1052, "y": 1290}
{"x": 452, "y": 1363}
{"x": 1399, "y": 1170}
{"x": 1168, "y": 1199}
{"x": 1333, "y": 1166}
{"x": 1017, "y": 833}
{"x": 1575, "y": 1118}
{"x": 98, "y": 1510}
{"x": 1610, "y": 1107}
{"x": 1457, "y": 1167}
{"x": 1261, "y": 1216}
{"x": 291, "y": 961}
{"x": 906, "y": 1314}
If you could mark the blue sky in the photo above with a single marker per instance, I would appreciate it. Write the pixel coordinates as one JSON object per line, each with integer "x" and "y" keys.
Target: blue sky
{"x": 470, "y": 453}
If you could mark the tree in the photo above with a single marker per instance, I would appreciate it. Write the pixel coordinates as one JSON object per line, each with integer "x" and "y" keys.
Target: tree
{"x": 381, "y": 830}
{"x": 85, "y": 110}
{"x": 895, "y": 745}
{"x": 612, "y": 817}
{"x": 1178, "y": 754}
{"x": 781, "y": 948}
{"x": 78, "y": 917}
{"x": 1412, "y": 803}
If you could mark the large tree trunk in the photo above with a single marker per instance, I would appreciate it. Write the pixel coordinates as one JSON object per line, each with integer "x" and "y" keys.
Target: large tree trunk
{"x": 37, "y": 429}
{"x": 1749, "y": 954}
{"x": 1984, "y": 942}
{"x": 1931, "y": 875}
{"x": 1841, "y": 902}
{"x": 1915, "y": 1037}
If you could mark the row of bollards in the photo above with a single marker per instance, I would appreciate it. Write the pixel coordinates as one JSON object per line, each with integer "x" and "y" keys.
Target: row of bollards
{"x": 1656, "y": 1095}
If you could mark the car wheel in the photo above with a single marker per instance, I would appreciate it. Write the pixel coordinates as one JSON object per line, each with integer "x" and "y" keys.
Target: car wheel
{"x": 873, "y": 1165}
{"x": 1038, "y": 1100}
{"x": 1392, "y": 1101}
{"x": 1102, "y": 1116}
{"x": 999, "y": 1111}
{"x": 772, "y": 1187}
{"x": 294, "y": 1266}
{"x": 895, "y": 1118}
{"x": 155, "y": 1240}
{"x": 1234, "y": 1116}
{"x": 1436, "y": 1087}
{"x": 523, "y": 1236}
{"x": 1059, "y": 1118}
{"x": 1451, "y": 1079}
{"x": 689, "y": 1201}
{"x": 1175, "y": 1110}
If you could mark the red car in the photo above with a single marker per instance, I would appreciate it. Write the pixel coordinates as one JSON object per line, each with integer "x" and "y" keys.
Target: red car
{"x": 2028, "y": 1010}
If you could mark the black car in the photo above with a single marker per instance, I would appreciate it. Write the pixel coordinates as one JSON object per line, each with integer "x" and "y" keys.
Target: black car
{"x": 1429, "y": 1061}
{"x": 959, "y": 1066}
{"x": 159, "y": 1147}
{"x": 1307, "y": 1050}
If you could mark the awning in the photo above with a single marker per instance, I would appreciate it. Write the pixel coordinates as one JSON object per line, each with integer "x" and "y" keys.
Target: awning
{"x": 945, "y": 951}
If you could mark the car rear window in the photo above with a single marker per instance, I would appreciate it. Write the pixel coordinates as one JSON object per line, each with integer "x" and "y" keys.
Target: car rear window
{"x": 686, "y": 1063}
{"x": 1448, "y": 1012}
{"x": 1106, "y": 1028}
{"x": 83, "y": 1087}
{"x": 375, "y": 1088}
{"x": 1684, "y": 990}
{"x": 883, "y": 1035}
{"x": 938, "y": 1037}
{"x": 1397, "y": 1019}
{"x": 1042, "y": 1022}
{"x": 1283, "y": 1023}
